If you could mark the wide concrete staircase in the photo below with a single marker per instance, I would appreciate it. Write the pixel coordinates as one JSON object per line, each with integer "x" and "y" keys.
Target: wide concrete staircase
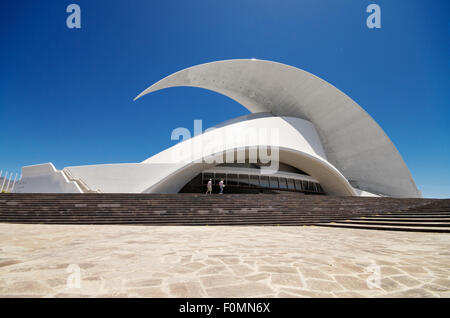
{"x": 430, "y": 217}
{"x": 424, "y": 215}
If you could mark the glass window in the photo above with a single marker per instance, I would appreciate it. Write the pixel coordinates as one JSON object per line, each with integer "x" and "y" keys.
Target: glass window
{"x": 290, "y": 183}
{"x": 320, "y": 188}
{"x": 254, "y": 181}
{"x": 283, "y": 184}
{"x": 243, "y": 179}
{"x": 315, "y": 186}
{"x": 298, "y": 185}
{"x": 274, "y": 182}
{"x": 232, "y": 179}
{"x": 305, "y": 185}
{"x": 264, "y": 181}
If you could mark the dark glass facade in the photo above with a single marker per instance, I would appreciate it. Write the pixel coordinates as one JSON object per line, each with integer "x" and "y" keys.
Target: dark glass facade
{"x": 248, "y": 183}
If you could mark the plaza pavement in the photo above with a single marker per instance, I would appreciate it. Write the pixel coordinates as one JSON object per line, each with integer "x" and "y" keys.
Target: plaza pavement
{"x": 223, "y": 261}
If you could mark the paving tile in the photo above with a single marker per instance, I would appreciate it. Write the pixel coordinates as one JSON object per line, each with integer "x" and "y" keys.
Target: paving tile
{"x": 314, "y": 273}
{"x": 230, "y": 260}
{"x": 69, "y": 295}
{"x": 293, "y": 280}
{"x": 277, "y": 269}
{"x": 28, "y": 287}
{"x": 351, "y": 282}
{"x": 186, "y": 289}
{"x": 4, "y": 263}
{"x": 308, "y": 293}
{"x": 348, "y": 294}
{"x": 219, "y": 280}
{"x": 223, "y": 261}
{"x": 241, "y": 269}
{"x": 442, "y": 282}
{"x": 410, "y": 293}
{"x": 389, "y": 270}
{"x": 406, "y": 280}
{"x": 215, "y": 269}
{"x": 186, "y": 268}
{"x": 241, "y": 290}
{"x": 287, "y": 295}
{"x": 435, "y": 288}
{"x": 390, "y": 285}
{"x": 258, "y": 277}
{"x": 323, "y": 285}
{"x": 412, "y": 269}
{"x": 152, "y": 292}
{"x": 144, "y": 283}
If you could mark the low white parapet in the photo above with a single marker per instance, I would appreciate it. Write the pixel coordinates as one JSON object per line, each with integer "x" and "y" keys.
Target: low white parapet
{"x": 45, "y": 178}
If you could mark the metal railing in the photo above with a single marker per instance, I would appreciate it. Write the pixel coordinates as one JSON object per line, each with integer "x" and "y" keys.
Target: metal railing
{"x": 80, "y": 182}
{"x": 7, "y": 183}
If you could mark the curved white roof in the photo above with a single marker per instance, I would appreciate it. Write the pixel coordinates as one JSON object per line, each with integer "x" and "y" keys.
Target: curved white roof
{"x": 295, "y": 139}
{"x": 352, "y": 140}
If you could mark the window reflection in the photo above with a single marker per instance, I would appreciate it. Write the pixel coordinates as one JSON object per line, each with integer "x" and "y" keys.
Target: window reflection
{"x": 232, "y": 179}
{"x": 290, "y": 183}
{"x": 254, "y": 181}
{"x": 264, "y": 181}
{"x": 259, "y": 182}
{"x": 283, "y": 184}
{"x": 274, "y": 182}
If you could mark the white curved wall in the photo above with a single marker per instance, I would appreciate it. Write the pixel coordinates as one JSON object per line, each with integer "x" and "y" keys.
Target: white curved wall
{"x": 295, "y": 140}
{"x": 352, "y": 140}
{"x": 331, "y": 180}
{"x": 337, "y": 142}
{"x": 286, "y": 132}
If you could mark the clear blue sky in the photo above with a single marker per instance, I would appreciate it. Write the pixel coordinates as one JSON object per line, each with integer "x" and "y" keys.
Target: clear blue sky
{"x": 66, "y": 95}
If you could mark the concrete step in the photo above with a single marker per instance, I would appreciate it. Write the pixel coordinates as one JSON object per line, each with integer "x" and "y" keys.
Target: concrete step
{"x": 236, "y": 209}
{"x": 393, "y": 219}
{"x": 386, "y": 228}
{"x": 398, "y": 223}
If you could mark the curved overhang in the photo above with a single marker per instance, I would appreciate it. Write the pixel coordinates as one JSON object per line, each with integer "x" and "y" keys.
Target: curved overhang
{"x": 331, "y": 180}
{"x": 352, "y": 140}
{"x": 293, "y": 141}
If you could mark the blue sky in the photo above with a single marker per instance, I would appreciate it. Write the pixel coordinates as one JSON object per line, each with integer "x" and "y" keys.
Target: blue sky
{"x": 66, "y": 95}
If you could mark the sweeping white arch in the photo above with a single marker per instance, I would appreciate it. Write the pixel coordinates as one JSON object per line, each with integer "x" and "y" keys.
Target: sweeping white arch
{"x": 296, "y": 140}
{"x": 352, "y": 140}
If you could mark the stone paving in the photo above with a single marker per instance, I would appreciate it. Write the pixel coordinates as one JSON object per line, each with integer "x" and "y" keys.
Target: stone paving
{"x": 140, "y": 261}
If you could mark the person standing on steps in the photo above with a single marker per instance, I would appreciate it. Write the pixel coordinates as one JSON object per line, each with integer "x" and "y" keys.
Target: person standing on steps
{"x": 221, "y": 185}
{"x": 209, "y": 187}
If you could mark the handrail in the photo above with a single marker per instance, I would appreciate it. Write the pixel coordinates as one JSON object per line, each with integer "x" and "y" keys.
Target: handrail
{"x": 79, "y": 181}
{"x": 5, "y": 180}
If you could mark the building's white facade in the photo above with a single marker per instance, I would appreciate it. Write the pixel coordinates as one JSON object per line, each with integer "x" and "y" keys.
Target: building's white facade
{"x": 307, "y": 123}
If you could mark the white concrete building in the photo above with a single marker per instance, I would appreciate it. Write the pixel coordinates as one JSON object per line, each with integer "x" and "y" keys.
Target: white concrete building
{"x": 303, "y": 135}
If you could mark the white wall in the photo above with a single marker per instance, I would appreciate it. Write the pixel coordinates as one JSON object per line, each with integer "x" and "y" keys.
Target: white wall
{"x": 44, "y": 178}
{"x": 167, "y": 172}
{"x": 353, "y": 141}
{"x": 122, "y": 178}
{"x": 298, "y": 144}
{"x": 293, "y": 133}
